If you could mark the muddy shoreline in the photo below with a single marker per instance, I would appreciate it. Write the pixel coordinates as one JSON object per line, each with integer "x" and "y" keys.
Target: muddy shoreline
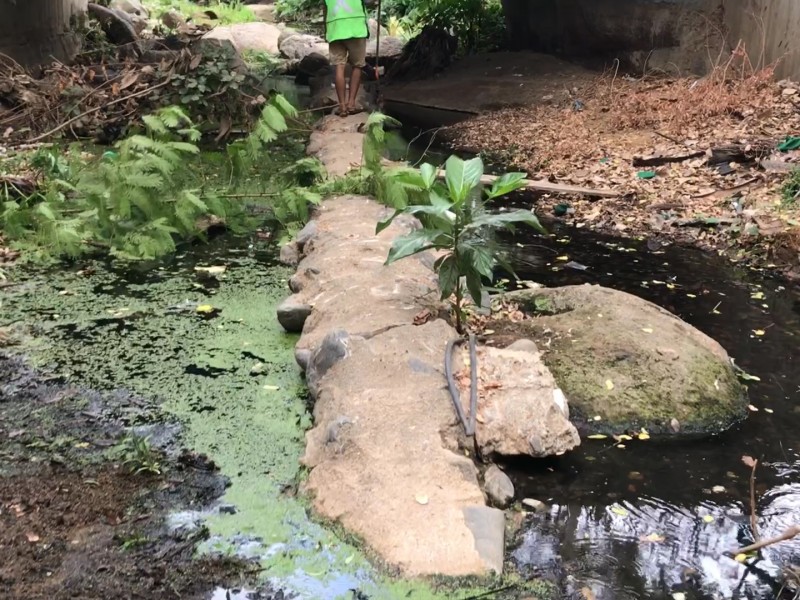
{"x": 76, "y": 520}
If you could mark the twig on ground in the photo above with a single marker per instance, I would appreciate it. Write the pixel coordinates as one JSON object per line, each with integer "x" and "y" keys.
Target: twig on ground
{"x": 753, "y": 518}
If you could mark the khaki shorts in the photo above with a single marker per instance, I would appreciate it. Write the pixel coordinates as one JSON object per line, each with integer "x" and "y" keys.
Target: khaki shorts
{"x": 353, "y": 51}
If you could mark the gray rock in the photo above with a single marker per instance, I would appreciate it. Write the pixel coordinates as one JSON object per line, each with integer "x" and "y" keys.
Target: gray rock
{"x": 302, "y": 358}
{"x": 300, "y": 45}
{"x": 498, "y": 487}
{"x": 292, "y": 314}
{"x": 301, "y": 279}
{"x": 334, "y": 348}
{"x": 173, "y": 19}
{"x": 305, "y": 234}
{"x": 290, "y": 254}
{"x": 625, "y": 363}
{"x": 373, "y": 29}
{"x": 260, "y": 37}
{"x": 309, "y": 66}
{"x": 536, "y": 506}
{"x": 488, "y": 526}
{"x": 132, "y": 7}
{"x": 227, "y": 509}
{"x": 215, "y": 46}
{"x": 391, "y": 47}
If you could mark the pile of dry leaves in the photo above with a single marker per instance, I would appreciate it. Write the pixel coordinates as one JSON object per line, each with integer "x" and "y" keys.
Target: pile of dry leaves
{"x": 693, "y": 160}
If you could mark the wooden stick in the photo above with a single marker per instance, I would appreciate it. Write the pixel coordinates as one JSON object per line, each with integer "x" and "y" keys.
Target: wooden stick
{"x": 547, "y": 186}
{"x": 786, "y": 535}
{"x": 753, "y": 519}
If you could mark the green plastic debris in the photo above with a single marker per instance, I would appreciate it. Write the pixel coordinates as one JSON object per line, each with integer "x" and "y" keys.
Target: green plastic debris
{"x": 646, "y": 174}
{"x": 560, "y": 210}
{"x": 790, "y": 143}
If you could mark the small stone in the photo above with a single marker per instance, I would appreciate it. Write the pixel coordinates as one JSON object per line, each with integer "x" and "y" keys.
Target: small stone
{"x": 172, "y": 19}
{"x": 789, "y": 91}
{"x": 292, "y": 314}
{"x": 535, "y": 505}
{"x": 227, "y": 509}
{"x": 290, "y": 255}
{"x": 498, "y": 487}
{"x": 258, "y": 369}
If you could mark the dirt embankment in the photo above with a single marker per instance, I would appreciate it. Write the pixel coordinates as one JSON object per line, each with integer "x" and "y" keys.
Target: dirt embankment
{"x": 697, "y": 161}
{"x": 75, "y": 521}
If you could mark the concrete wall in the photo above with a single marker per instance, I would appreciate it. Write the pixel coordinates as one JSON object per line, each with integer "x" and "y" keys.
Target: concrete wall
{"x": 670, "y": 35}
{"x": 33, "y": 32}
{"x": 769, "y": 29}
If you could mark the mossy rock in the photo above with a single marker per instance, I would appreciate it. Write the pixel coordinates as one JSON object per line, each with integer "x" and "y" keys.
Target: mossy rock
{"x": 629, "y": 362}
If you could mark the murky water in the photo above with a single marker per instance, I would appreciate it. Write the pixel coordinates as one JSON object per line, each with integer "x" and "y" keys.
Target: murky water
{"x": 653, "y": 520}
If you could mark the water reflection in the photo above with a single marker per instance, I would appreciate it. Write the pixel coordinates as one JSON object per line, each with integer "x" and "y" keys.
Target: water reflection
{"x": 610, "y": 507}
{"x": 654, "y": 549}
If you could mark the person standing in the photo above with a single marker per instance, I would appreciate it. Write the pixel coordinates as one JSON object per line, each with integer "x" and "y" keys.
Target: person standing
{"x": 346, "y": 31}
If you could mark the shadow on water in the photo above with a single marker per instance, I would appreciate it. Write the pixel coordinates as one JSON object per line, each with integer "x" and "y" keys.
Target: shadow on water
{"x": 653, "y": 520}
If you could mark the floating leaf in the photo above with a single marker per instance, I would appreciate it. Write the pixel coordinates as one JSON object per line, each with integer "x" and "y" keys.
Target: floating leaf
{"x": 271, "y": 388}
{"x": 708, "y": 519}
{"x": 718, "y": 489}
{"x": 643, "y": 434}
{"x": 759, "y": 332}
{"x": 618, "y": 510}
{"x": 82, "y": 445}
{"x": 597, "y": 418}
{"x": 598, "y": 436}
{"x": 654, "y": 538}
{"x": 691, "y": 295}
{"x": 562, "y": 258}
{"x": 349, "y": 559}
{"x": 757, "y": 296}
{"x": 769, "y": 410}
{"x": 749, "y": 461}
{"x": 741, "y": 557}
{"x": 609, "y": 384}
{"x": 678, "y": 596}
{"x": 752, "y": 408}
{"x": 205, "y": 309}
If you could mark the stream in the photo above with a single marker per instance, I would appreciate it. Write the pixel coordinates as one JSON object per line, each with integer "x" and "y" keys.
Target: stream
{"x": 652, "y": 520}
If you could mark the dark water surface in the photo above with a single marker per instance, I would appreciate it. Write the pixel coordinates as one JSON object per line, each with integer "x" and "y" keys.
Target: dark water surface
{"x": 652, "y": 520}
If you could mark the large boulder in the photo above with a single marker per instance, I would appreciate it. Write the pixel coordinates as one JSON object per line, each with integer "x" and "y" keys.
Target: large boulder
{"x": 391, "y": 47}
{"x": 259, "y": 37}
{"x": 297, "y": 46}
{"x": 626, "y": 364}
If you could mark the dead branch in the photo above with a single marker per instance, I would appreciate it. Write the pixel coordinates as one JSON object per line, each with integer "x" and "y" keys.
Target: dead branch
{"x": 753, "y": 519}
{"x": 98, "y": 109}
{"x": 786, "y": 535}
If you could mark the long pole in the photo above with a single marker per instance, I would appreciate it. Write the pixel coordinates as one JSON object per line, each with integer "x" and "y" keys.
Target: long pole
{"x": 378, "y": 50}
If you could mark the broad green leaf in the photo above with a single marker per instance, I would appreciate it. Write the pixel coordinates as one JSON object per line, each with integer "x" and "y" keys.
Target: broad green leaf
{"x": 448, "y": 276}
{"x": 474, "y": 285}
{"x": 284, "y": 105}
{"x": 413, "y": 243}
{"x": 384, "y": 224}
{"x": 428, "y": 173}
{"x": 507, "y": 220}
{"x": 506, "y": 184}
{"x": 462, "y": 177}
{"x": 408, "y": 177}
{"x": 481, "y": 260}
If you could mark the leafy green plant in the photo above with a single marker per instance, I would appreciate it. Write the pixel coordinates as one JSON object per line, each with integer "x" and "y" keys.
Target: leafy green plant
{"x": 139, "y": 457}
{"x": 227, "y": 12}
{"x": 791, "y": 188}
{"x": 137, "y": 201}
{"x": 455, "y": 223}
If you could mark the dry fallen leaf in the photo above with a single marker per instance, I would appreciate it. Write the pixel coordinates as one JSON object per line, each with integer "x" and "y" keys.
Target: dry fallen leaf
{"x": 32, "y": 537}
{"x": 749, "y": 461}
{"x": 609, "y": 384}
{"x": 421, "y": 499}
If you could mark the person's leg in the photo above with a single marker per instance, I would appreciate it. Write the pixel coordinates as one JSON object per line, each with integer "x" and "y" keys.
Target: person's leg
{"x": 357, "y": 54}
{"x": 338, "y": 58}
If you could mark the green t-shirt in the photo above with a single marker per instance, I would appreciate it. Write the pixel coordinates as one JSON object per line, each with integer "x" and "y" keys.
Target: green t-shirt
{"x": 347, "y": 19}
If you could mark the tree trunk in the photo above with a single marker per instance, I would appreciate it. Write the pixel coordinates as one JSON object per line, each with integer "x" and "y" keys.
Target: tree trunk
{"x": 34, "y": 32}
